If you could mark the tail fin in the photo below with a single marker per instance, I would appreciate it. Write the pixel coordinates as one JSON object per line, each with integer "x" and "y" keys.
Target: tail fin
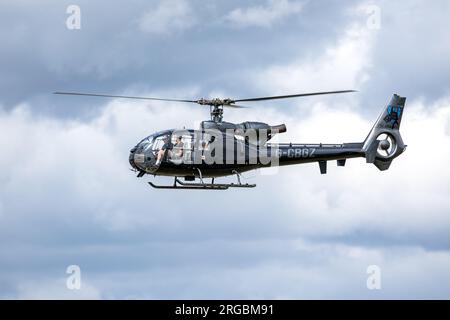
{"x": 384, "y": 142}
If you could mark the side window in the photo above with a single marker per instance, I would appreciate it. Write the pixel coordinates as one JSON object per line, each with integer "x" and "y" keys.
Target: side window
{"x": 187, "y": 142}
{"x": 206, "y": 141}
{"x": 240, "y": 144}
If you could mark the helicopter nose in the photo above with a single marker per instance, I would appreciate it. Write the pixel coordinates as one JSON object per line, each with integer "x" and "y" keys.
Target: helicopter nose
{"x": 131, "y": 159}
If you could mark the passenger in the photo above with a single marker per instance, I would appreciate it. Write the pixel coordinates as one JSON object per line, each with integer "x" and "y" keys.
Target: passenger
{"x": 168, "y": 146}
{"x": 177, "y": 151}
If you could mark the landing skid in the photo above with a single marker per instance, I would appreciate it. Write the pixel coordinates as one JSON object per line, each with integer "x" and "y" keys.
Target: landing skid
{"x": 178, "y": 184}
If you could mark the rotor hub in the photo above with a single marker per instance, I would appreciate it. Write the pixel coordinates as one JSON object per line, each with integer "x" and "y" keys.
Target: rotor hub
{"x": 216, "y": 107}
{"x": 385, "y": 144}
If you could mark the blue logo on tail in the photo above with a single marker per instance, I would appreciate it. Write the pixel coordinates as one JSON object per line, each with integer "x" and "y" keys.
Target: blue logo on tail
{"x": 393, "y": 116}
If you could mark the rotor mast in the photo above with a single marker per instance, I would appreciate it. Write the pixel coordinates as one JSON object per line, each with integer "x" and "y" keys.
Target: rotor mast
{"x": 216, "y": 107}
{"x": 216, "y": 113}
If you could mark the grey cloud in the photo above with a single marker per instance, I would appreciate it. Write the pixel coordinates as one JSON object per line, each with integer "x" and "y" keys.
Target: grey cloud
{"x": 410, "y": 56}
{"x": 287, "y": 269}
{"x": 111, "y": 54}
{"x": 167, "y": 17}
{"x": 264, "y": 16}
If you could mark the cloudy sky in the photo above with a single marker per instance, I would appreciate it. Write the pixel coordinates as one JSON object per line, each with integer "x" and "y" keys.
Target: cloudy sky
{"x": 68, "y": 198}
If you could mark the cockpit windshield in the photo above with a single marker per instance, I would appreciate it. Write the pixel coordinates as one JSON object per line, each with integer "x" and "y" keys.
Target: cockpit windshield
{"x": 155, "y": 141}
{"x": 146, "y": 143}
{"x": 166, "y": 147}
{"x": 149, "y": 139}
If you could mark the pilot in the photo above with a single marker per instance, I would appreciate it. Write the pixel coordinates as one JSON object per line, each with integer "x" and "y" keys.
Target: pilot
{"x": 174, "y": 151}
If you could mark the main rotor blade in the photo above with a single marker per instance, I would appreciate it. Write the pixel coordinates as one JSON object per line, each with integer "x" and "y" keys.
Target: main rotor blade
{"x": 124, "y": 97}
{"x": 234, "y": 106}
{"x": 294, "y": 95}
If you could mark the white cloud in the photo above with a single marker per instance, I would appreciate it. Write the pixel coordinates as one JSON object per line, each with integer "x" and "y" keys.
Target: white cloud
{"x": 170, "y": 16}
{"x": 263, "y": 16}
{"x": 86, "y": 165}
{"x": 343, "y": 65}
{"x": 409, "y": 199}
{"x": 79, "y": 162}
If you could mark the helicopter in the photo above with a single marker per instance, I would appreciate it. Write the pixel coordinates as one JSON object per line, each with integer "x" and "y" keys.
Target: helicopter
{"x": 219, "y": 148}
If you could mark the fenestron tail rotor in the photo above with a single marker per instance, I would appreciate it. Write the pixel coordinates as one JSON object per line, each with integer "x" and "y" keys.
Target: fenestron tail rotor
{"x": 387, "y": 145}
{"x": 216, "y": 105}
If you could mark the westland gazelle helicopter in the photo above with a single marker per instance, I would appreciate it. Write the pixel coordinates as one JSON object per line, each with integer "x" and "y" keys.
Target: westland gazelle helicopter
{"x": 222, "y": 148}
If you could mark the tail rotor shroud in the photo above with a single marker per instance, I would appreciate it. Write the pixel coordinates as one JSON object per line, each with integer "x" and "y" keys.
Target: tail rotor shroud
{"x": 387, "y": 145}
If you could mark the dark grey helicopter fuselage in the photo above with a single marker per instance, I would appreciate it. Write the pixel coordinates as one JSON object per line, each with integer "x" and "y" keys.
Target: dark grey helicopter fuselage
{"x": 240, "y": 156}
{"x": 288, "y": 154}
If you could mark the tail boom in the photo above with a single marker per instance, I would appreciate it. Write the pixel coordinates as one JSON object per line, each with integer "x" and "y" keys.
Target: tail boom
{"x": 382, "y": 145}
